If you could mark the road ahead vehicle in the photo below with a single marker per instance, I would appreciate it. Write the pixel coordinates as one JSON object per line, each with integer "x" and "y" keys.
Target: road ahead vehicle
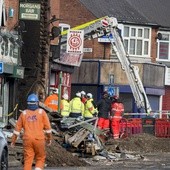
{"x": 3, "y": 152}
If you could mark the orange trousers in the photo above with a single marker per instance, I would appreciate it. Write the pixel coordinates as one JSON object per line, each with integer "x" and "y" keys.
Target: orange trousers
{"x": 115, "y": 125}
{"x": 34, "y": 149}
{"x": 103, "y": 123}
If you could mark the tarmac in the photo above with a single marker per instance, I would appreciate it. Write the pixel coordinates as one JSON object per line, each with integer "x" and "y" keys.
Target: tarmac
{"x": 153, "y": 161}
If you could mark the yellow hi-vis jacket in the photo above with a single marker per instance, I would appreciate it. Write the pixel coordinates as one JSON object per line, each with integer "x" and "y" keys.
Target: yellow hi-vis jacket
{"x": 65, "y": 107}
{"x": 76, "y": 106}
{"x": 89, "y": 109}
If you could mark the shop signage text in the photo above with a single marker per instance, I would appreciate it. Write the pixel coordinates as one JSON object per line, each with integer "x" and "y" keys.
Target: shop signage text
{"x": 29, "y": 11}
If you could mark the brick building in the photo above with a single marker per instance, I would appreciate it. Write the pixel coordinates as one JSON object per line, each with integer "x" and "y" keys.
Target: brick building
{"x": 33, "y": 67}
{"x": 25, "y": 52}
{"x": 143, "y": 43}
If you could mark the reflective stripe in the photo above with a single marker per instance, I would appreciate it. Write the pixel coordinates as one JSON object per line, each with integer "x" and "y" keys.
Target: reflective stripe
{"x": 65, "y": 110}
{"x": 38, "y": 168}
{"x": 48, "y": 131}
{"x": 40, "y": 111}
{"x": 118, "y": 110}
{"x": 24, "y": 112}
{"x": 76, "y": 111}
{"x": 16, "y": 132}
{"x": 117, "y": 117}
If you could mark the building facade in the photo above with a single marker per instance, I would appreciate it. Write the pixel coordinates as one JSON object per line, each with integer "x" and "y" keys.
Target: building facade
{"x": 141, "y": 40}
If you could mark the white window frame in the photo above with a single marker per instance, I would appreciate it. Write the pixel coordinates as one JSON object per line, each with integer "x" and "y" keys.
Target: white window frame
{"x": 64, "y": 26}
{"x": 163, "y": 40}
{"x": 142, "y": 38}
{"x": 2, "y": 13}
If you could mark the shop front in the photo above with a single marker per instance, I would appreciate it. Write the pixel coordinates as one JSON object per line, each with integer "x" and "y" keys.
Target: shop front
{"x": 10, "y": 71}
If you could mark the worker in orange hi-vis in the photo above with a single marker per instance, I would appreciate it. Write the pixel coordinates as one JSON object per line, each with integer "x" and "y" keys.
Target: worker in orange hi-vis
{"x": 36, "y": 133}
{"x": 117, "y": 109}
{"x": 52, "y": 100}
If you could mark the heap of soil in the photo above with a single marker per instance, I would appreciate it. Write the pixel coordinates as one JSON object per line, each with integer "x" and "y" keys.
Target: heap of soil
{"x": 142, "y": 143}
{"x": 59, "y": 156}
{"x": 138, "y": 143}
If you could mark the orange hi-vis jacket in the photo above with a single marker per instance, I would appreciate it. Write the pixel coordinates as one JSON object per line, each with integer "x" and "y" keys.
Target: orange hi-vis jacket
{"x": 117, "y": 109}
{"x": 36, "y": 125}
{"x": 52, "y": 102}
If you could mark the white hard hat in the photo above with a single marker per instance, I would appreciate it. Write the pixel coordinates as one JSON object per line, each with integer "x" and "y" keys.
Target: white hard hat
{"x": 65, "y": 96}
{"x": 83, "y": 93}
{"x": 78, "y": 94}
{"x": 89, "y": 95}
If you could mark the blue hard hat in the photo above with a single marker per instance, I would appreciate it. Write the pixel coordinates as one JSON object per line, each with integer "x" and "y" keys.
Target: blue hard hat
{"x": 32, "y": 98}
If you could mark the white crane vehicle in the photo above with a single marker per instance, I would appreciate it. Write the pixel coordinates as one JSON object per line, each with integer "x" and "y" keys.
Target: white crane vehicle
{"x": 106, "y": 26}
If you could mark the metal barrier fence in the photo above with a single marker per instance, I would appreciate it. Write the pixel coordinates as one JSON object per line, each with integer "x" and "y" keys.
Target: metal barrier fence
{"x": 157, "y": 124}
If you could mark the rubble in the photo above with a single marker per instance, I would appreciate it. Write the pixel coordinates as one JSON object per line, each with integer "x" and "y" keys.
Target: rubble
{"x": 79, "y": 143}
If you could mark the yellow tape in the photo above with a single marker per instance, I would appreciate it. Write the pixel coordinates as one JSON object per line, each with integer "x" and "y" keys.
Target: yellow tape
{"x": 10, "y": 114}
{"x": 83, "y": 26}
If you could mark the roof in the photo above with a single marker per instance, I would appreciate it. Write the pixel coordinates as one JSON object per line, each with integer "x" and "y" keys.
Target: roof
{"x": 147, "y": 12}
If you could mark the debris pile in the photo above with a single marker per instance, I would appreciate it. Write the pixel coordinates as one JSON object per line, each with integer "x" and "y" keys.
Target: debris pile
{"x": 56, "y": 156}
{"x": 83, "y": 137}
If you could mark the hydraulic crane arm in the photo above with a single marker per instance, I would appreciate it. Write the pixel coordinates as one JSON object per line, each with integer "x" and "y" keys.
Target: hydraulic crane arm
{"x": 107, "y": 26}
{"x": 132, "y": 72}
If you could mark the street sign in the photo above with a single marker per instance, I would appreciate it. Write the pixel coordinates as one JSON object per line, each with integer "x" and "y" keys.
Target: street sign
{"x": 29, "y": 11}
{"x": 87, "y": 50}
{"x": 106, "y": 39}
{"x": 75, "y": 41}
{"x": 1, "y": 68}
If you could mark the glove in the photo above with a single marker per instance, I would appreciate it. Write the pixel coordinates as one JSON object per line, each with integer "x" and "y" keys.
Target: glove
{"x": 49, "y": 142}
{"x": 13, "y": 140}
{"x": 12, "y": 145}
{"x": 95, "y": 114}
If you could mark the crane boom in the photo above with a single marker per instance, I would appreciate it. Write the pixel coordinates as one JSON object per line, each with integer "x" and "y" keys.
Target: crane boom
{"x": 107, "y": 26}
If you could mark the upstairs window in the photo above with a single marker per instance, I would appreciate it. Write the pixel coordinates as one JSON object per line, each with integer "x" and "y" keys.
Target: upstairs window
{"x": 164, "y": 46}
{"x": 2, "y": 14}
{"x": 64, "y": 27}
{"x": 137, "y": 40}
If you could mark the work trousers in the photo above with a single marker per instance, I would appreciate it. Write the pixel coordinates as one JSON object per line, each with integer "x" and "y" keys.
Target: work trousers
{"x": 115, "y": 125}
{"x": 103, "y": 123}
{"x": 34, "y": 148}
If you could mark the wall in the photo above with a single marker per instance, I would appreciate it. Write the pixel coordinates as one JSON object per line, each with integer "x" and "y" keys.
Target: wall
{"x": 80, "y": 15}
{"x": 154, "y": 44}
{"x": 166, "y": 99}
{"x": 12, "y": 21}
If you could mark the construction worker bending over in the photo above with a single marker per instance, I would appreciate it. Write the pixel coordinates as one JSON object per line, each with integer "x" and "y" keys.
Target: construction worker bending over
{"x": 76, "y": 106}
{"x": 52, "y": 100}
{"x": 90, "y": 111}
{"x": 65, "y": 106}
{"x": 104, "y": 107}
{"x": 35, "y": 123}
{"x": 117, "y": 109}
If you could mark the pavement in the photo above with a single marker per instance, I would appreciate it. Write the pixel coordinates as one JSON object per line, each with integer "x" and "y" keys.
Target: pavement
{"x": 153, "y": 161}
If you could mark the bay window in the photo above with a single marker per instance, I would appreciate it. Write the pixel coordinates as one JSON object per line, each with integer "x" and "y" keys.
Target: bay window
{"x": 137, "y": 40}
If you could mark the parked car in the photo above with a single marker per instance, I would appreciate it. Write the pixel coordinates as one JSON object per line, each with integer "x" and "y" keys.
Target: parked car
{"x": 3, "y": 152}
